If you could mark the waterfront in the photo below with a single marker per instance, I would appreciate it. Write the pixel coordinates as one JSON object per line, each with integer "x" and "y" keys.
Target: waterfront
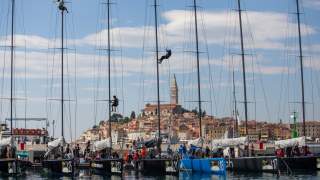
{"x": 35, "y": 174}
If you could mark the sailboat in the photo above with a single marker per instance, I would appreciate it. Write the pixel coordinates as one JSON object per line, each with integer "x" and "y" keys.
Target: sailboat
{"x": 63, "y": 164}
{"x": 158, "y": 165}
{"x": 10, "y": 165}
{"x": 206, "y": 165}
{"x": 304, "y": 162}
{"x": 107, "y": 165}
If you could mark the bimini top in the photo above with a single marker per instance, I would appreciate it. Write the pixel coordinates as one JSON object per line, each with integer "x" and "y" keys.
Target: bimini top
{"x": 229, "y": 142}
{"x": 300, "y": 141}
{"x": 5, "y": 141}
{"x": 101, "y": 145}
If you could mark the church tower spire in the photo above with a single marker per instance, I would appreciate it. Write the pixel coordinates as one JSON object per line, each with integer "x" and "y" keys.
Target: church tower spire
{"x": 174, "y": 98}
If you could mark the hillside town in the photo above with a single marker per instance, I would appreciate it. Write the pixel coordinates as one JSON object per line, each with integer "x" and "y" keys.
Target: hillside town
{"x": 179, "y": 124}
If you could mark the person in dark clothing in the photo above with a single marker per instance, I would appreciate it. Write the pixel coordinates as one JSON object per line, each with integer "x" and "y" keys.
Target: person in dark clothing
{"x": 76, "y": 151}
{"x": 61, "y": 5}
{"x": 67, "y": 151}
{"x": 87, "y": 149}
{"x": 4, "y": 152}
{"x": 166, "y": 56}
{"x": 115, "y": 103}
{"x": 207, "y": 151}
{"x": 296, "y": 151}
{"x": 289, "y": 151}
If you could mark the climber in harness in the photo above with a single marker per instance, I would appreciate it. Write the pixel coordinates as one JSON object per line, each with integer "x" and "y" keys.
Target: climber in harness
{"x": 114, "y": 103}
{"x": 61, "y": 5}
{"x": 166, "y": 56}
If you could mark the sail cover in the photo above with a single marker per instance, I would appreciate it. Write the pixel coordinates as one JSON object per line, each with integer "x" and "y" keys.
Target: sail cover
{"x": 196, "y": 142}
{"x": 56, "y": 143}
{"x": 101, "y": 145}
{"x": 300, "y": 141}
{"x": 228, "y": 142}
{"x": 5, "y": 141}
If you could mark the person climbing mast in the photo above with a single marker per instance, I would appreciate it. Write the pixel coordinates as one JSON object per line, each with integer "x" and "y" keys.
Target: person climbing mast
{"x": 61, "y": 6}
{"x": 114, "y": 103}
{"x": 166, "y": 56}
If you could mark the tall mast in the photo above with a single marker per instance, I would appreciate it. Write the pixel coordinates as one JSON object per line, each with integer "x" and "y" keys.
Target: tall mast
{"x": 109, "y": 72}
{"x": 157, "y": 62}
{"x": 12, "y": 56}
{"x": 243, "y": 68}
{"x": 198, "y": 64}
{"x": 62, "y": 9}
{"x": 235, "y": 111}
{"x": 301, "y": 69}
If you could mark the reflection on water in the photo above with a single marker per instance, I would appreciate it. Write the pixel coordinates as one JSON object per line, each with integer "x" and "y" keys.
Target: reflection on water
{"x": 131, "y": 175}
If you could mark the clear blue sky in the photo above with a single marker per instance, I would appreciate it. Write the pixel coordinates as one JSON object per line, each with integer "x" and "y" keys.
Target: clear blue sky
{"x": 270, "y": 40}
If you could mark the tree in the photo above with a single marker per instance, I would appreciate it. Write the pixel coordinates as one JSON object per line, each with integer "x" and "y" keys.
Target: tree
{"x": 195, "y": 111}
{"x": 116, "y": 117}
{"x": 133, "y": 115}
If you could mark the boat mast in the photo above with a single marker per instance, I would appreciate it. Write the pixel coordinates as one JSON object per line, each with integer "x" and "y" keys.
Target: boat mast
{"x": 235, "y": 111}
{"x": 243, "y": 68}
{"x": 157, "y": 62}
{"x": 109, "y": 73}
{"x": 62, "y": 9}
{"x": 301, "y": 68}
{"x": 12, "y": 59}
{"x": 198, "y": 63}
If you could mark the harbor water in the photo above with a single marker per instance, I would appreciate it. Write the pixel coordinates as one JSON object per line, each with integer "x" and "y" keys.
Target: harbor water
{"x": 36, "y": 174}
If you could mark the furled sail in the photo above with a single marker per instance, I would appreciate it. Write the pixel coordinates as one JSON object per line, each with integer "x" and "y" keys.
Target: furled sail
{"x": 101, "y": 145}
{"x": 229, "y": 142}
{"x": 196, "y": 142}
{"x": 300, "y": 141}
{"x": 5, "y": 141}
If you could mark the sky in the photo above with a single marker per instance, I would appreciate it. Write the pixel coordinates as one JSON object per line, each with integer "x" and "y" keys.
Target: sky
{"x": 270, "y": 42}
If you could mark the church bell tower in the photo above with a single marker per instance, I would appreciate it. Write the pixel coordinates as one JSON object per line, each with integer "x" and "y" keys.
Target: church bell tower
{"x": 174, "y": 98}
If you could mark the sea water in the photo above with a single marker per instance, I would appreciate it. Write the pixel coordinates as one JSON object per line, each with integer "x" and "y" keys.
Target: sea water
{"x": 84, "y": 174}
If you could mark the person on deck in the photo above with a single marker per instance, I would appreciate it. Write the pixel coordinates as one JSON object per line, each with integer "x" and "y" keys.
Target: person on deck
{"x": 296, "y": 151}
{"x": 207, "y": 152}
{"x": 114, "y": 103}
{"x": 76, "y": 151}
{"x": 143, "y": 152}
{"x": 280, "y": 152}
{"x": 87, "y": 151}
{"x": 306, "y": 151}
{"x": 289, "y": 151}
{"x": 169, "y": 151}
